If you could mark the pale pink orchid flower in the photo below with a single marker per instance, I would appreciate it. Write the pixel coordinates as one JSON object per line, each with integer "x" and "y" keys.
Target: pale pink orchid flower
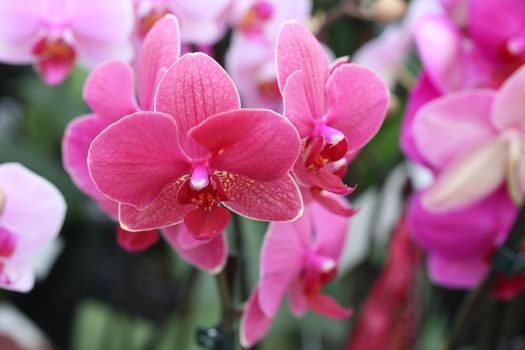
{"x": 54, "y": 34}
{"x": 297, "y": 259}
{"x": 110, "y": 91}
{"x": 203, "y": 22}
{"x": 336, "y": 109}
{"x": 32, "y": 211}
{"x": 477, "y": 140}
{"x": 197, "y": 155}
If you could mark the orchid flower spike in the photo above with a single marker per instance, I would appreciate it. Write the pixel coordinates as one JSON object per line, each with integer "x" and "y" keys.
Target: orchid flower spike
{"x": 31, "y": 215}
{"x": 336, "y": 110}
{"x": 54, "y": 34}
{"x": 298, "y": 259}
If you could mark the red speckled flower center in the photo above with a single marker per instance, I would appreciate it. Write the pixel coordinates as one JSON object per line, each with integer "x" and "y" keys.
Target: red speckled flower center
{"x": 255, "y": 18}
{"x": 318, "y": 272}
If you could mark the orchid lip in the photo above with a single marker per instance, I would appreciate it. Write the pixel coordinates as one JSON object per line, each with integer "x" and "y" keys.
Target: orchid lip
{"x": 331, "y": 135}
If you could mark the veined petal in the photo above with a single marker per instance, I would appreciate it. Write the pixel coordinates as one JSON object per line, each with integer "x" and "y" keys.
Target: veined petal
{"x": 109, "y": 91}
{"x": 282, "y": 258}
{"x": 209, "y": 256}
{"x": 278, "y": 200}
{"x": 455, "y": 123}
{"x": 135, "y": 158}
{"x": 164, "y": 212}
{"x": 195, "y": 88}
{"x": 328, "y": 307}
{"x": 298, "y": 49}
{"x": 358, "y": 100}
{"x": 160, "y": 50}
{"x": 469, "y": 178}
{"x": 254, "y": 323}
{"x": 256, "y": 143}
{"x": 508, "y": 110}
{"x": 296, "y": 106}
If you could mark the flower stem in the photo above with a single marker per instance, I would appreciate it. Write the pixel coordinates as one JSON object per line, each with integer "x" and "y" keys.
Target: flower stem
{"x": 469, "y": 309}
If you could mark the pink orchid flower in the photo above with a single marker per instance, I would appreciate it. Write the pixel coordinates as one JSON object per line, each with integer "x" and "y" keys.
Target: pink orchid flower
{"x": 197, "y": 154}
{"x": 461, "y": 242}
{"x": 298, "y": 259}
{"x": 31, "y": 215}
{"x": 473, "y": 53}
{"x": 110, "y": 92}
{"x": 336, "y": 110}
{"x": 485, "y": 144}
{"x": 203, "y": 22}
{"x": 53, "y": 34}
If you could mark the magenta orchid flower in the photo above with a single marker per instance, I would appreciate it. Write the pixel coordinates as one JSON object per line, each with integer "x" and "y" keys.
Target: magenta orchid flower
{"x": 485, "y": 146}
{"x": 461, "y": 242}
{"x": 454, "y": 61}
{"x": 31, "y": 215}
{"x": 336, "y": 110}
{"x": 298, "y": 259}
{"x": 197, "y": 155}
{"x": 110, "y": 92}
{"x": 54, "y": 34}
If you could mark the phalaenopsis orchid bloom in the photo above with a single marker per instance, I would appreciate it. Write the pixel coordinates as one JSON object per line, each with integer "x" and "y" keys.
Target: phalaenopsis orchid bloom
{"x": 298, "y": 259}
{"x": 197, "y": 155}
{"x": 54, "y": 34}
{"x": 485, "y": 144}
{"x": 336, "y": 110}
{"x": 474, "y": 44}
{"x": 110, "y": 91}
{"x": 31, "y": 215}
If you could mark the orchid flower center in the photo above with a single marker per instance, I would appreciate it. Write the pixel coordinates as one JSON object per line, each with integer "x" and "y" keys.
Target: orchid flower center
{"x": 269, "y": 89}
{"x": 326, "y": 146}
{"x": 202, "y": 190}
{"x": 318, "y": 272}
{"x": 55, "y": 56}
{"x": 256, "y": 17}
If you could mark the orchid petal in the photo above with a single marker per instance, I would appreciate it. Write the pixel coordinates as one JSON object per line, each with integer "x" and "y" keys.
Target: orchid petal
{"x": 254, "y": 323}
{"x": 164, "y": 212}
{"x": 298, "y": 49}
{"x": 282, "y": 259}
{"x": 34, "y": 209}
{"x": 328, "y": 307}
{"x": 297, "y": 299}
{"x": 456, "y": 123}
{"x": 160, "y": 50}
{"x": 457, "y": 274}
{"x": 135, "y": 158}
{"x": 109, "y": 91}
{"x": 358, "y": 100}
{"x": 469, "y": 178}
{"x": 136, "y": 241}
{"x": 331, "y": 230}
{"x": 259, "y": 144}
{"x": 508, "y": 111}
{"x": 278, "y": 200}
{"x": 17, "y": 276}
{"x": 209, "y": 256}
{"x": 296, "y": 104}
{"x": 195, "y": 88}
